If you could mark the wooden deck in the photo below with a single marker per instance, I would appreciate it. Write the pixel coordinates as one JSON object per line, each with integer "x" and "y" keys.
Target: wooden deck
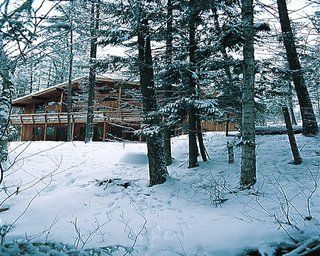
{"x": 125, "y": 117}
{"x": 36, "y": 126}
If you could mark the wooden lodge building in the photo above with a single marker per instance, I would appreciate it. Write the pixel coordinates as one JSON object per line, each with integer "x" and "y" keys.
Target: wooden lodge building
{"x": 117, "y": 108}
{"x": 43, "y": 114}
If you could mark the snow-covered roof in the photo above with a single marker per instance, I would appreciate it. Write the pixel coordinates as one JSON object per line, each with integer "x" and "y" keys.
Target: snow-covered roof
{"x": 24, "y": 100}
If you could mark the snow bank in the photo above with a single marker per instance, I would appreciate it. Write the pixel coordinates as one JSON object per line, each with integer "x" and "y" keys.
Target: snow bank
{"x": 55, "y": 196}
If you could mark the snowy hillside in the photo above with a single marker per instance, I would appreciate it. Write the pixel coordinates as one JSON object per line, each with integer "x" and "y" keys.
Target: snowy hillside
{"x": 97, "y": 194}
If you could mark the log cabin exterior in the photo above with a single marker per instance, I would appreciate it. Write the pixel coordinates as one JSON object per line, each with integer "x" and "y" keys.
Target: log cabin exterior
{"x": 43, "y": 114}
{"x": 117, "y": 108}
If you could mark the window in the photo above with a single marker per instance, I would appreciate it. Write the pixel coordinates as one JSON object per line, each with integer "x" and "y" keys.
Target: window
{"x": 51, "y": 131}
{"x": 37, "y": 131}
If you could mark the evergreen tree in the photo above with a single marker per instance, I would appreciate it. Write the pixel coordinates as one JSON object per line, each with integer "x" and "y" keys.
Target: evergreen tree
{"x": 157, "y": 167}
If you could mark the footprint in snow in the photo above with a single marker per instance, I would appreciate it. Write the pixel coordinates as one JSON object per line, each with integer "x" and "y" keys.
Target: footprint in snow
{"x": 71, "y": 181}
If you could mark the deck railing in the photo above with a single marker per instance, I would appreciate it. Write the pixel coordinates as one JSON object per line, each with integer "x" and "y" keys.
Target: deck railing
{"x": 76, "y": 117}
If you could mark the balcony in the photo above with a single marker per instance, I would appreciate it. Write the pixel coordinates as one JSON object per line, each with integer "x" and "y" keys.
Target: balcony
{"x": 119, "y": 117}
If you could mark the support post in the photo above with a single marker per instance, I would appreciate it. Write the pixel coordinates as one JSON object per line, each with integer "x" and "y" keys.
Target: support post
{"x": 45, "y": 128}
{"x": 59, "y": 108}
{"x": 73, "y": 124}
{"x": 119, "y": 97}
{"x": 22, "y": 129}
{"x": 104, "y": 130}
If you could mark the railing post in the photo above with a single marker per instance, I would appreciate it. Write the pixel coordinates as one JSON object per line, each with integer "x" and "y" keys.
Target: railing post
{"x": 72, "y": 132}
{"x": 104, "y": 130}
{"x": 22, "y": 129}
{"x": 45, "y": 128}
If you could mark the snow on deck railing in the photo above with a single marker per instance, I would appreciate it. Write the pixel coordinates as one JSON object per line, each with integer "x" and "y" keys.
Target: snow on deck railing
{"x": 76, "y": 117}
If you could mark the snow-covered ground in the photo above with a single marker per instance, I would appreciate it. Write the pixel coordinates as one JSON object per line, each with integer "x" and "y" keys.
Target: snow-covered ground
{"x": 54, "y": 195}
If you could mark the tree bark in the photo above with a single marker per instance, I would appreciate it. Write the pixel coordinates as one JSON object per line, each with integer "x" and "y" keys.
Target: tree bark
{"x": 4, "y": 114}
{"x": 69, "y": 98}
{"x": 5, "y": 105}
{"x": 309, "y": 122}
{"x": 203, "y": 151}
{"x": 230, "y": 152}
{"x": 168, "y": 81}
{"x": 157, "y": 167}
{"x": 292, "y": 139}
{"x": 290, "y": 103}
{"x": 94, "y": 26}
{"x": 192, "y": 120}
{"x": 248, "y": 159}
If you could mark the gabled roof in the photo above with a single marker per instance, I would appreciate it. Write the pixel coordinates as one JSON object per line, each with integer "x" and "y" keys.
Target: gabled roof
{"x": 55, "y": 91}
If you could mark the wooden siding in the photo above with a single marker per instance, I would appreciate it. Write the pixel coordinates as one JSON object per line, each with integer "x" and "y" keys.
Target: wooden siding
{"x": 218, "y": 126}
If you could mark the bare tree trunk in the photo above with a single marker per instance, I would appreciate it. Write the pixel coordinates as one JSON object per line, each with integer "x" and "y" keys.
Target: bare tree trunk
{"x": 5, "y": 108}
{"x": 292, "y": 139}
{"x": 94, "y": 26}
{"x": 167, "y": 145}
{"x": 309, "y": 122}
{"x": 290, "y": 103}
{"x": 192, "y": 120}
{"x": 203, "y": 151}
{"x": 168, "y": 79}
{"x": 227, "y": 126}
{"x": 69, "y": 97}
{"x": 248, "y": 159}
{"x": 230, "y": 152}
{"x": 5, "y": 105}
{"x": 157, "y": 167}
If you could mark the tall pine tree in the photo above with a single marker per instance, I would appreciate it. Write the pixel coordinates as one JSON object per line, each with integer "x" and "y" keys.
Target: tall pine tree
{"x": 157, "y": 168}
